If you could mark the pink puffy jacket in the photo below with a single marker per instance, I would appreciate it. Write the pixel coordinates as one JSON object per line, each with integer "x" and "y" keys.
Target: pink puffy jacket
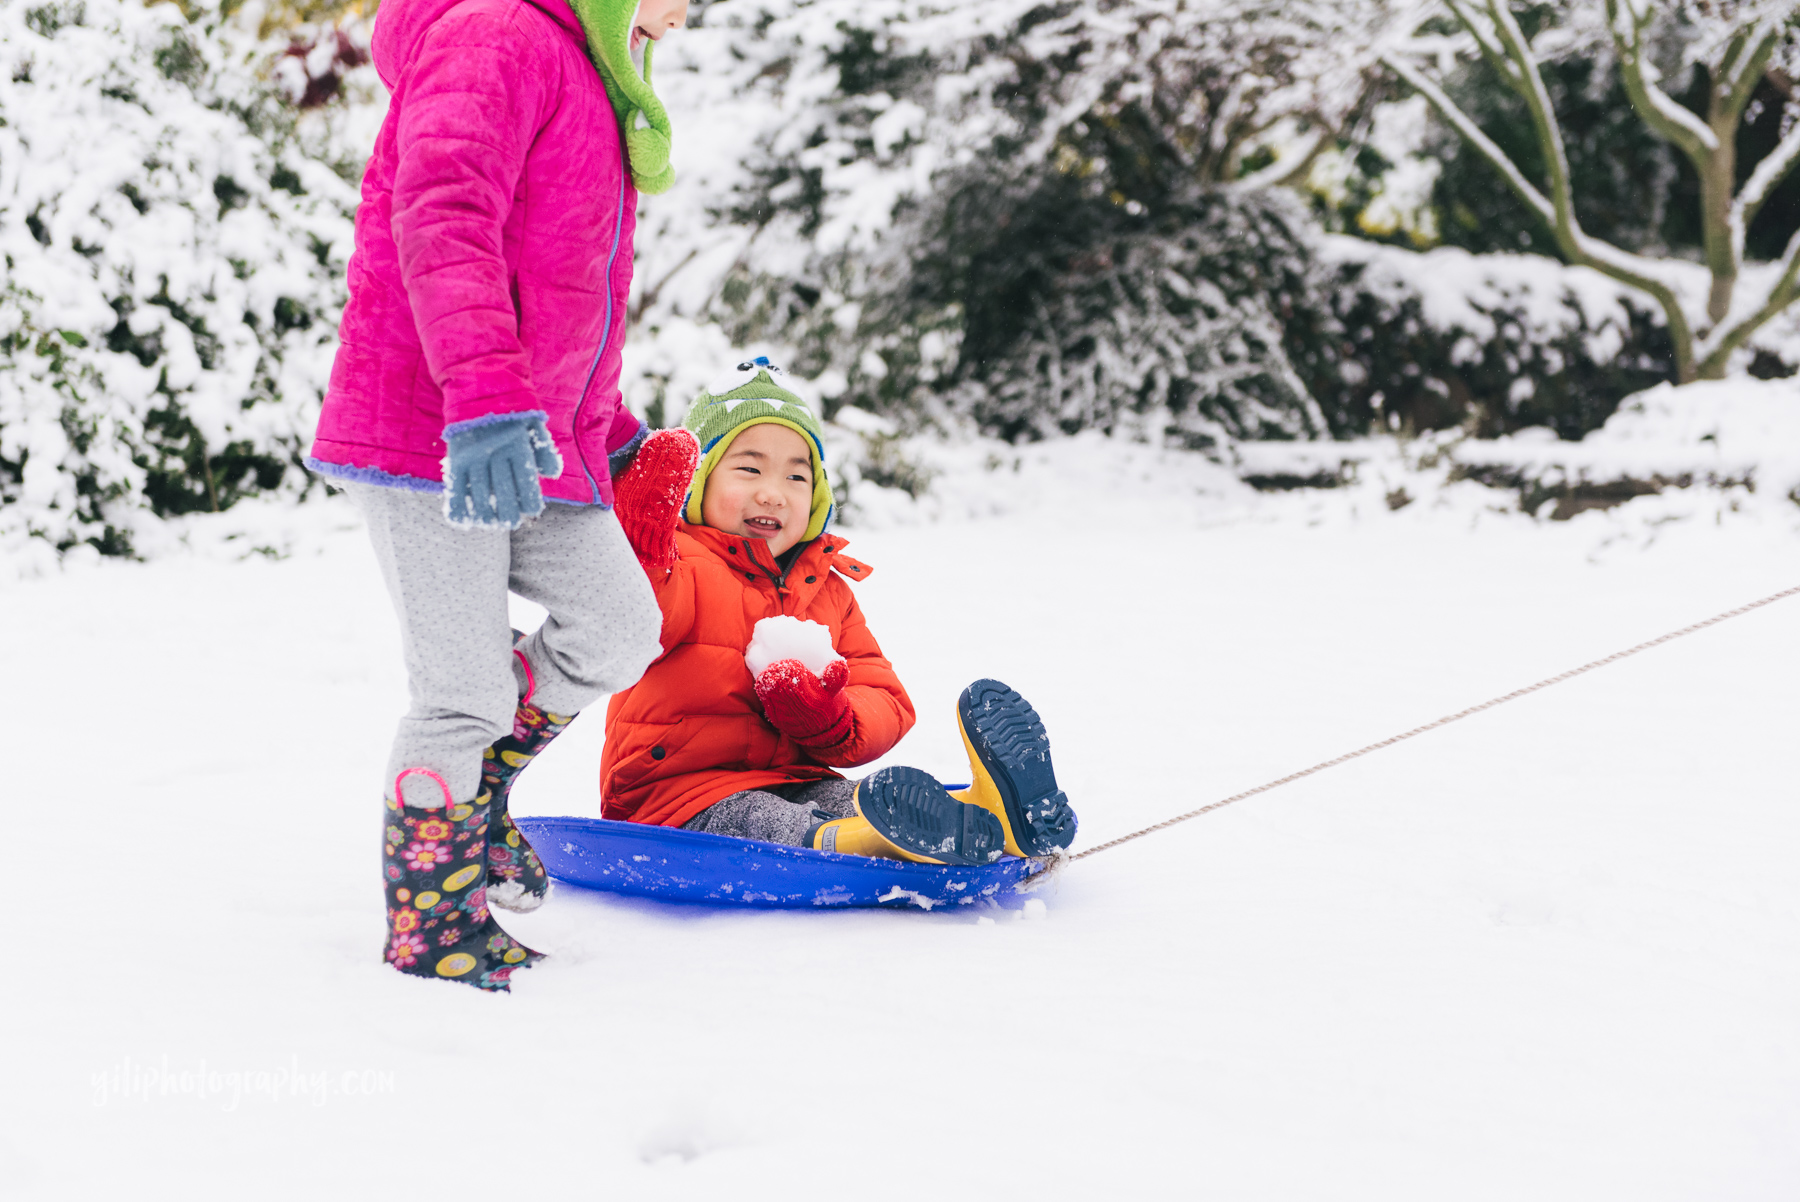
{"x": 493, "y": 249}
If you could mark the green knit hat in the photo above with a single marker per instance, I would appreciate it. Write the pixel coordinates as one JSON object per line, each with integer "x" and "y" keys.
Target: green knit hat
{"x": 607, "y": 24}
{"x": 754, "y": 394}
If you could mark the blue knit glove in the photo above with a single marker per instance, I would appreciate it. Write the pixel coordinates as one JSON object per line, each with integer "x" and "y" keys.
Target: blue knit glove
{"x": 491, "y": 473}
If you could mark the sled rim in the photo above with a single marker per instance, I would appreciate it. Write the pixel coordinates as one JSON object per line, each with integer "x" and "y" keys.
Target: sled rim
{"x": 696, "y": 867}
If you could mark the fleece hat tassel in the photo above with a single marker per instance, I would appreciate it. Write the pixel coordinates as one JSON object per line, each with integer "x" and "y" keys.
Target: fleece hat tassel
{"x": 607, "y": 24}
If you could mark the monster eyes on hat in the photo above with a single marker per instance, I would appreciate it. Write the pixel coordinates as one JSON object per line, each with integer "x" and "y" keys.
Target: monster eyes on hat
{"x": 745, "y": 372}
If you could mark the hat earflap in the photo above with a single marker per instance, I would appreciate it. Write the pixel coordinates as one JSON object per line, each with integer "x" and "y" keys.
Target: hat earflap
{"x": 607, "y": 24}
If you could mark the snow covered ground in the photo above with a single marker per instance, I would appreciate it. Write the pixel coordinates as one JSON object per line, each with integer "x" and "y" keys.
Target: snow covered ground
{"x": 1552, "y": 952}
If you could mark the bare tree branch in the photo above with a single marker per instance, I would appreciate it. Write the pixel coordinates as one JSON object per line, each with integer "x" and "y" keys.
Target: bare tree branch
{"x": 1716, "y": 349}
{"x": 1762, "y": 39}
{"x": 1658, "y": 109}
{"x": 1770, "y": 172}
{"x": 1543, "y": 120}
{"x": 1730, "y": 70}
{"x": 1491, "y": 51}
{"x": 1471, "y": 132}
{"x": 1558, "y": 210}
{"x": 1739, "y": 59}
{"x": 1581, "y": 248}
{"x": 1751, "y": 73}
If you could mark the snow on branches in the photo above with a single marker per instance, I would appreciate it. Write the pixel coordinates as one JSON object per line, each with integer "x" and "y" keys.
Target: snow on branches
{"x": 1224, "y": 83}
{"x": 1735, "y": 45}
{"x": 174, "y": 273}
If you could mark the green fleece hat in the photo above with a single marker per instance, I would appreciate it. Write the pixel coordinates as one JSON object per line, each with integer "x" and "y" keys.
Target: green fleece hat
{"x": 756, "y": 393}
{"x": 607, "y": 24}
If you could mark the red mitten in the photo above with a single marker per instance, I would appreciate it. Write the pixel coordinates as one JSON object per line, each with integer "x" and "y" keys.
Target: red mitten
{"x": 648, "y": 496}
{"x": 810, "y": 710}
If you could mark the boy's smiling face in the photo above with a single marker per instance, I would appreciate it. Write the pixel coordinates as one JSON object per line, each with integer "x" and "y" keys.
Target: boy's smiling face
{"x": 655, "y": 18}
{"x": 762, "y": 488}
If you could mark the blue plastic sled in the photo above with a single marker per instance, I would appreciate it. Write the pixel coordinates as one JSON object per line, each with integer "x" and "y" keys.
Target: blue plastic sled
{"x": 689, "y": 866}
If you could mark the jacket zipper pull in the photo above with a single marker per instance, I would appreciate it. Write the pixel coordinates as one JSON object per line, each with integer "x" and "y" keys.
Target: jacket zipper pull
{"x": 769, "y": 571}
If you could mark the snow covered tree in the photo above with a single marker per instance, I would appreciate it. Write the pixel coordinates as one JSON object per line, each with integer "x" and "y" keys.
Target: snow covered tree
{"x": 174, "y": 258}
{"x": 1041, "y": 217}
{"x": 1733, "y": 47}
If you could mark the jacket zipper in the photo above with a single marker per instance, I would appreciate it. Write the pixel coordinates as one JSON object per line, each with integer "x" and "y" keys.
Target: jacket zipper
{"x": 605, "y": 333}
{"x": 779, "y": 580}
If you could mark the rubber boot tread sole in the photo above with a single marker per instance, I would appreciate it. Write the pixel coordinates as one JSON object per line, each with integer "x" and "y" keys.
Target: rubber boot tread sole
{"x": 911, "y": 810}
{"x": 1009, "y": 738}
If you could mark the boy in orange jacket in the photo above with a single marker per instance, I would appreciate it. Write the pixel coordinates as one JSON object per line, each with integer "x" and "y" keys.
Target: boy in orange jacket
{"x": 729, "y": 517}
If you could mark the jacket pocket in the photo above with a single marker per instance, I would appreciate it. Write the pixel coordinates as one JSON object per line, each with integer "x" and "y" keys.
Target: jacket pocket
{"x": 653, "y": 749}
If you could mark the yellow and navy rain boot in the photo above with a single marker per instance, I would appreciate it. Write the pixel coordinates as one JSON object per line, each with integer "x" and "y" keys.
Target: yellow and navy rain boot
{"x": 1009, "y": 759}
{"x": 516, "y": 878}
{"x": 904, "y": 814}
{"x": 434, "y": 865}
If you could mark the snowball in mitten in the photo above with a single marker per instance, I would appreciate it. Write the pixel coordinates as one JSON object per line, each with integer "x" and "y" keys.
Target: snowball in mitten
{"x": 786, "y": 637}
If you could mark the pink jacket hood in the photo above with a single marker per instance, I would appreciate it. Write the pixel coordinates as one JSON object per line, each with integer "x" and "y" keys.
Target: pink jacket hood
{"x": 493, "y": 250}
{"x": 400, "y": 25}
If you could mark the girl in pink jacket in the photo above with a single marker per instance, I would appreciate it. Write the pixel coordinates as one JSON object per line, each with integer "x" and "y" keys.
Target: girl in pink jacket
{"x": 477, "y": 379}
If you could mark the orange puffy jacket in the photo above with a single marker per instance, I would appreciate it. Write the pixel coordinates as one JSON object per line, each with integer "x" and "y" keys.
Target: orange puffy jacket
{"x": 691, "y": 732}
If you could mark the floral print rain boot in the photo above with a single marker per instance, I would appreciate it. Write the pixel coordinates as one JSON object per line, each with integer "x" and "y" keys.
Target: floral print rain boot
{"x": 516, "y": 877}
{"x": 435, "y": 861}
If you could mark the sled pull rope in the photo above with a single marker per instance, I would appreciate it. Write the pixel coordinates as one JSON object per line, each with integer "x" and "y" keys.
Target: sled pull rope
{"x": 1615, "y": 657}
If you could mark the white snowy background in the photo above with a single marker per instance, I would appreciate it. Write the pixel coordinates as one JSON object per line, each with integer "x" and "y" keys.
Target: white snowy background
{"x": 1552, "y": 952}
{"x": 1549, "y": 952}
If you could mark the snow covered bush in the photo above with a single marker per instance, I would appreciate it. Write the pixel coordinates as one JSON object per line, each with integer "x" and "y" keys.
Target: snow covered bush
{"x": 1740, "y": 438}
{"x": 1044, "y": 308}
{"x": 174, "y": 261}
{"x": 1039, "y": 218}
{"x": 1414, "y": 341}
{"x": 1043, "y": 220}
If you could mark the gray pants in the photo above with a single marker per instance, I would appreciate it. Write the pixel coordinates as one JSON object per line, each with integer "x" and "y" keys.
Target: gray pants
{"x": 777, "y": 814}
{"x": 449, "y": 589}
